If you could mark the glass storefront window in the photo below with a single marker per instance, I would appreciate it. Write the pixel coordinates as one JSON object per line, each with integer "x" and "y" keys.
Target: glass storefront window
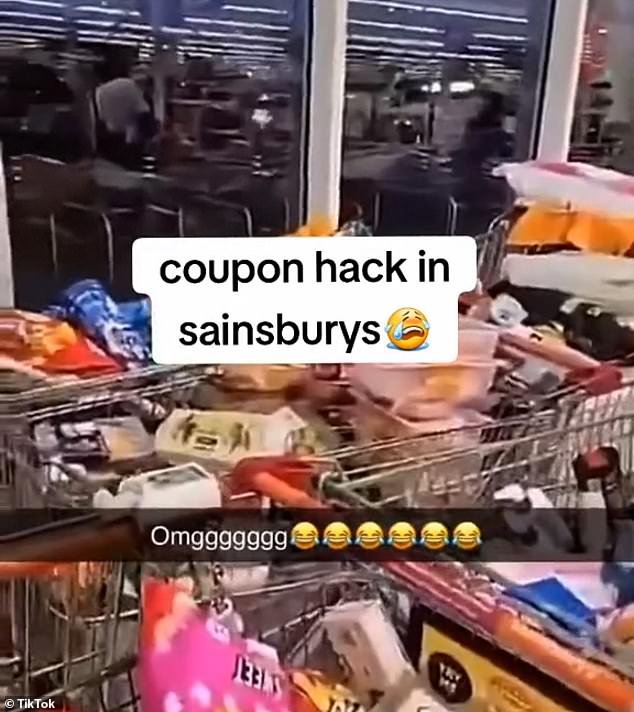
{"x": 158, "y": 117}
{"x": 437, "y": 94}
{"x": 603, "y": 130}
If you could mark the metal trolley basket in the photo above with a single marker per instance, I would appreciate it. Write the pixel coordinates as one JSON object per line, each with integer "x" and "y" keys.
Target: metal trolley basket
{"x": 536, "y": 449}
{"x": 57, "y": 627}
{"x": 288, "y": 613}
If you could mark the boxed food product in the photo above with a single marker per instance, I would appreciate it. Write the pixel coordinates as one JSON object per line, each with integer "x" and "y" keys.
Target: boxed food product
{"x": 223, "y": 438}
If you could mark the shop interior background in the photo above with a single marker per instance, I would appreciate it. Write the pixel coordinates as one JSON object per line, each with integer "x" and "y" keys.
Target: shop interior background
{"x": 436, "y": 95}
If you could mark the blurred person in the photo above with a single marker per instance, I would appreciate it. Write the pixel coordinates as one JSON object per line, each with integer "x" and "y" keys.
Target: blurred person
{"x": 124, "y": 119}
{"x": 484, "y": 141}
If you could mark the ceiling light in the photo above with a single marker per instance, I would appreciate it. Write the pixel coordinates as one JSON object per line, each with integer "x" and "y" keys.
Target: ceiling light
{"x": 487, "y": 48}
{"x": 390, "y": 5}
{"x": 477, "y": 15}
{"x": 392, "y": 41}
{"x": 107, "y": 10}
{"x": 502, "y": 38}
{"x": 33, "y": 16}
{"x": 397, "y": 26}
{"x": 233, "y": 23}
{"x": 35, "y": 3}
{"x": 248, "y": 8}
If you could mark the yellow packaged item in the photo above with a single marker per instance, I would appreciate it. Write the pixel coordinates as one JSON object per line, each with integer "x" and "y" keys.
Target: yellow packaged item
{"x": 314, "y": 692}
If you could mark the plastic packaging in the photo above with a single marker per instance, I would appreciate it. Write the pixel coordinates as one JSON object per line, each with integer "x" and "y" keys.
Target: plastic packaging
{"x": 459, "y": 382}
{"x": 50, "y": 345}
{"x": 222, "y": 438}
{"x": 88, "y": 306}
{"x": 361, "y": 633}
{"x": 264, "y": 379}
{"x": 476, "y": 342}
{"x": 198, "y": 665}
{"x": 312, "y": 691}
{"x": 422, "y": 440}
{"x": 576, "y": 186}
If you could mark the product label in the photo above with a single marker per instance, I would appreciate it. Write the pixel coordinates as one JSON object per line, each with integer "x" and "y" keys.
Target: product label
{"x": 460, "y": 676}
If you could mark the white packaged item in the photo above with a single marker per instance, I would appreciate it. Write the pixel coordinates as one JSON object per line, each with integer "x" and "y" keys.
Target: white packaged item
{"x": 361, "y": 633}
{"x": 599, "y": 279}
{"x": 220, "y": 439}
{"x": 507, "y": 312}
{"x": 183, "y": 487}
{"x": 244, "y": 578}
{"x": 459, "y": 382}
{"x": 576, "y": 185}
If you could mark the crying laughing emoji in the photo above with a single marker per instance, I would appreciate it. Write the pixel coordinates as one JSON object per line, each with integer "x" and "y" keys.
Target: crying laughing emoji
{"x": 408, "y": 330}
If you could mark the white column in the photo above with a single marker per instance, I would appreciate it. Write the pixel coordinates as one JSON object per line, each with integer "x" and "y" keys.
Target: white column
{"x": 562, "y": 78}
{"x": 6, "y": 262}
{"x": 326, "y": 108}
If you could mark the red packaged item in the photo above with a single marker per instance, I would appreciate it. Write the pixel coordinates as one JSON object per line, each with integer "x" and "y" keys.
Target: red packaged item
{"x": 50, "y": 345}
{"x": 83, "y": 358}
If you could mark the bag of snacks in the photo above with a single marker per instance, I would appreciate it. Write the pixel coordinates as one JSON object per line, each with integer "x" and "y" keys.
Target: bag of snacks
{"x": 190, "y": 662}
{"x": 50, "y": 345}
{"x": 88, "y": 306}
{"x": 312, "y": 691}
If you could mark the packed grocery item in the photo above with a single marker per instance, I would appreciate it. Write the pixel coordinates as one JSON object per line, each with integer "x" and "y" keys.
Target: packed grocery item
{"x": 51, "y": 346}
{"x": 122, "y": 332}
{"x": 193, "y": 663}
{"x": 182, "y": 487}
{"x": 220, "y": 438}
{"x": 16, "y": 377}
{"x": 312, "y": 691}
{"x": 361, "y": 633}
{"x": 597, "y": 279}
{"x": 459, "y": 383}
{"x": 264, "y": 379}
{"x": 574, "y": 206}
{"x": 584, "y": 326}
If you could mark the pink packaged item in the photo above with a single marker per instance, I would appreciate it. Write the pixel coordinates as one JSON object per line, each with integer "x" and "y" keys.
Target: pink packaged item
{"x": 191, "y": 663}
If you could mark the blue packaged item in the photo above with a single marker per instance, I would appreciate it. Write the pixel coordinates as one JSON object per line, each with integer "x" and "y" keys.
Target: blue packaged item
{"x": 551, "y": 597}
{"x": 138, "y": 314}
{"x": 90, "y": 308}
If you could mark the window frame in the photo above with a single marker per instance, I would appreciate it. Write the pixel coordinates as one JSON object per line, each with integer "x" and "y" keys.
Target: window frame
{"x": 323, "y": 124}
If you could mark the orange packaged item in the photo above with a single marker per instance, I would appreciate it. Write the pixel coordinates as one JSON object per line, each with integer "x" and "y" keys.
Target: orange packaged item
{"x": 314, "y": 692}
{"x": 590, "y": 232}
{"x": 51, "y": 346}
{"x": 317, "y": 227}
{"x": 542, "y": 225}
{"x": 33, "y": 338}
{"x": 603, "y": 235}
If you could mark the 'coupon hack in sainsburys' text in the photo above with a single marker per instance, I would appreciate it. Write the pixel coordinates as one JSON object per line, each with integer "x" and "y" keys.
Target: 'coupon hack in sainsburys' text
{"x": 317, "y": 300}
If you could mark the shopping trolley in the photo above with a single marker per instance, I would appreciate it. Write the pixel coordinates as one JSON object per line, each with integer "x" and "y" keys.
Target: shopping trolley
{"x": 49, "y": 627}
{"x": 491, "y": 250}
{"x": 535, "y": 449}
{"x": 24, "y": 478}
{"x": 287, "y": 612}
